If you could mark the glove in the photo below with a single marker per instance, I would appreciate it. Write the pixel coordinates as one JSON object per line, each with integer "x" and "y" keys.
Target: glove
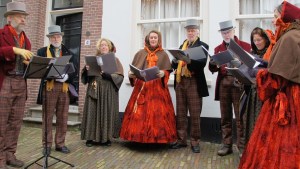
{"x": 235, "y": 62}
{"x": 106, "y": 76}
{"x": 263, "y": 63}
{"x": 66, "y": 76}
{"x": 160, "y": 74}
{"x": 186, "y": 59}
{"x": 26, "y": 54}
{"x": 131, "y": 75}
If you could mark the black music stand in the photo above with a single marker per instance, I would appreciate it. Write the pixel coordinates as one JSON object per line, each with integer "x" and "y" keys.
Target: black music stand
{"x": 45, "y": 68}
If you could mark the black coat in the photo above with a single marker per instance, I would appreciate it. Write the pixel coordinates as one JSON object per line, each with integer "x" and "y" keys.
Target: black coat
{"x": 197, "y": 67}
{"x": 43, "y": 53}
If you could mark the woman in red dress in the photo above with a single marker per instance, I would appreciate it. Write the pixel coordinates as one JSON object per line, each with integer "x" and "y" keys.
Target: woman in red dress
{"x": 149, "y": 116}
{"x": 275, "y": 141}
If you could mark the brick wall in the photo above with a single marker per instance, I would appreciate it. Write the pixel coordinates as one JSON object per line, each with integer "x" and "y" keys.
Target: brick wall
{"x": 35, "y": 30}
{"x": 92, "y": 22}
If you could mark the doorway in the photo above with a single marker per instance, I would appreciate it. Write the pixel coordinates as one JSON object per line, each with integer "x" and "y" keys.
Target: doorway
{"x": 71, "y": 25}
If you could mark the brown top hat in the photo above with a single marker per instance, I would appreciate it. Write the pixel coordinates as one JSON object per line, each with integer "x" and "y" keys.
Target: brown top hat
{"x": 192, "y": 24}
{"x": 54, "y": 30}
{"x": 226, "y": 25}
{"x": 15, "y": 8}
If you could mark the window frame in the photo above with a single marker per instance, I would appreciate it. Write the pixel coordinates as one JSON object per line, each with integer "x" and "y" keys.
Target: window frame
{"x": 180, "y": 20}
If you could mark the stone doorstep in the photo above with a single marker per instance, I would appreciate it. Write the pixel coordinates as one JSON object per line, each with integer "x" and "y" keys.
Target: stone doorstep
{"x": 37, "y": 122}
{"x": 73, "y": 115}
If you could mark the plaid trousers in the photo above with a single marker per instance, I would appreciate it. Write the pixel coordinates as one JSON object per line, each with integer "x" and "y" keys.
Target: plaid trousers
{"x": 230, "y": 96}
{"x": 12, "y": 105}
{"x": 55, "y": 102}
{"x": 188, "y": 101}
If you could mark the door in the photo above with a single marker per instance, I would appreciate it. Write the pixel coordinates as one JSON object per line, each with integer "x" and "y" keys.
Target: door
{"x": 71, "y": 26}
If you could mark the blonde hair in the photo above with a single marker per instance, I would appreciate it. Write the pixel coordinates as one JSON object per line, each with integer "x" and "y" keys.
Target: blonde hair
{"x": 110, "y": 47}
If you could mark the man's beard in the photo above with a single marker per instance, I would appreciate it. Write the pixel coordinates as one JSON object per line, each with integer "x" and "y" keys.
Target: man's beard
{"x": 57, "y": 45}
{"x": 18, "y": 27}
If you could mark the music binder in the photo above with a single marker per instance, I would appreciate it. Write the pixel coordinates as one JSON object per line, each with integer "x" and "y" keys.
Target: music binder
{"x": 146, "y": 74}
{"x": 243, "y": 55}
{"x": 222, "y": 57}
{"x": 39, "y": 66}
{"x": 241, "y": 73}
{"x": 106, "y": 63}
{"x": 195, "y": 53}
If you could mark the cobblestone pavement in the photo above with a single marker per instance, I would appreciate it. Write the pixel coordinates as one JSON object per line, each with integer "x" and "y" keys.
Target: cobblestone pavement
{"x": 122, "y": 155}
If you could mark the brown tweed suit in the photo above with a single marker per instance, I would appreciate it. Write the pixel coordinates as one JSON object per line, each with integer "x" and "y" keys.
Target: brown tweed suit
{"x": 58, "y": 103}
{"x": 12, "y": 101}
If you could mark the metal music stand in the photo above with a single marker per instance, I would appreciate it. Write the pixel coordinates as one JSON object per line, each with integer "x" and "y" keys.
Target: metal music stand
{"x": 44, "y": 68}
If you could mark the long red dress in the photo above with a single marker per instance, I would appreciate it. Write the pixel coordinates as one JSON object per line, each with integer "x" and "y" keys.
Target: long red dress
{"x": 275, "y": 141}
{"x": 149, "y": 116}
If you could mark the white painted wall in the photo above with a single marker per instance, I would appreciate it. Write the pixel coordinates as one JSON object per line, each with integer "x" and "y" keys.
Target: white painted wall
{"x": 119, "y": 25}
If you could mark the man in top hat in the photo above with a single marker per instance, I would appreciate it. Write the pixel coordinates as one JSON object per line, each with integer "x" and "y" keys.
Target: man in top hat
{"x": 54, "y": 93}
{"x": 227, "y": 91}
{"x": 14, "y": 55}
{"x": 190, "y": 87}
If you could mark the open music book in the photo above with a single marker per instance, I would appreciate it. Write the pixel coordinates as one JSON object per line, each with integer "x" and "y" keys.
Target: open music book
{"x": 146, "y": 74}
{"x": 243, "y": 55}
{"x": 195, "y": 53}
{"x": 242, "y": 74}
{"x": 38, "y": 67}
{"x": 106, "y": 63}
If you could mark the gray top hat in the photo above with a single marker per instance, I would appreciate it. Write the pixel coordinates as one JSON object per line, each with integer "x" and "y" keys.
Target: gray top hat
{"x": 226, "y": 25}
{"x": 54, "y": 30}
{"x": 192, "y": 24}
{"x": 14, "y": 8}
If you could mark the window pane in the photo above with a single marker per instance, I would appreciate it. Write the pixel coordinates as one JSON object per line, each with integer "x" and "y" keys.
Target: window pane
{"x": 2, "y": 11}
{"x": 261, "y": 6}
{"x": 63, "y": 4}
{"x": 190, "y": 8}
{"x": 169, "y": 9}
{"x": 3, "y": 3}
{"x": 149, "y": 9}
{"x": 246, "y": 26}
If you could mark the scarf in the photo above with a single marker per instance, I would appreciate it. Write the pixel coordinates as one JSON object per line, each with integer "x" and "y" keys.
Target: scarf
{"x": 50, "y": 83}
{"x": 182, "y": 69}
{"x": 272, "y": 40}
{"x": 20, "y": 38}
{"x": 152, "y": 58}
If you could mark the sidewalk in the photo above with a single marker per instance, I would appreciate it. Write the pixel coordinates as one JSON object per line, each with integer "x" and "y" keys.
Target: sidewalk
{"x": 122, "y": 155}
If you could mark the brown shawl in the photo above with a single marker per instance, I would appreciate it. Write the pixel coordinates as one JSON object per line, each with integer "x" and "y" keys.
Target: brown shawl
{"x": 140, "y": 60}
{"x": 285, "y": 56}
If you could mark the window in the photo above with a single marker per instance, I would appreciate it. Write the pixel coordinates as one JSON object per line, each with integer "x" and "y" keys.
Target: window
{"x": 64, "y": 4}
{"x": 2, "y": 11}
{"x": 168, "y": 17}
{"x": 257, "y": 13}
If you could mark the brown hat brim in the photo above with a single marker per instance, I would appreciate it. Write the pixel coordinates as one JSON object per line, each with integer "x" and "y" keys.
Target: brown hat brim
{"x": 55, "y": 33}
{"x": 15, "y": 12}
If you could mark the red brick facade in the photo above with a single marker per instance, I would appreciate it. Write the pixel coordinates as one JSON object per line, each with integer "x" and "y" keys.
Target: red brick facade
{"x": 35, "y": 30}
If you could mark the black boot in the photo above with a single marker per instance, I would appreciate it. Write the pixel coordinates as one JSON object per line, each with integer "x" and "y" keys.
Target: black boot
{"x": 225, "y": 150}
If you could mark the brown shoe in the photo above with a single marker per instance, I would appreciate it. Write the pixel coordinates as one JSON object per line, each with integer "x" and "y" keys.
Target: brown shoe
{"x": 15, "y": 163}
{"x": 225, "y": 150}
